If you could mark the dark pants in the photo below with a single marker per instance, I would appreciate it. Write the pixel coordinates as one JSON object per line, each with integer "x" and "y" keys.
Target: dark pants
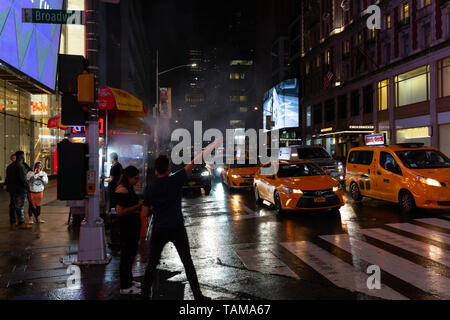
{"x": 159, "y": 238}
{"x": 12, "y": 209}
{"x": 19, "y": 206}
{"x": 130, "y": 231}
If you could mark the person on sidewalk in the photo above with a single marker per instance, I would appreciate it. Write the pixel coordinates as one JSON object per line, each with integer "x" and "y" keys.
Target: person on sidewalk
{"x": 12, "y": 210}
{"x": 163, "y": 200}
{"x": 114, "y": 176}
{"x": 128, "y": 208}
{"x": 16, "y": 176}
{"x": 36, "y": 179}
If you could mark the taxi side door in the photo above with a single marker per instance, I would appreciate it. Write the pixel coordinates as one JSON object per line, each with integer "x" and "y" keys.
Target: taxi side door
{"x": 390, "y": 177}
{"x": 226, "y": 169}
{"x": 265, "y": 182}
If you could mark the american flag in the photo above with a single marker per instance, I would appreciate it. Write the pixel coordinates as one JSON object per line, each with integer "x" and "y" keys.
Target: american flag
{"x": 327, "y": 79}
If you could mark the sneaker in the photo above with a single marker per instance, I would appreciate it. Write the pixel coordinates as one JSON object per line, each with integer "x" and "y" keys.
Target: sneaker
{"x": 132, "y": 290}
{"x": 136, "y": 284}
{"x": 41, "y": 221}
{"x": 30, "y": 221}
{"x": 25, "y": 226}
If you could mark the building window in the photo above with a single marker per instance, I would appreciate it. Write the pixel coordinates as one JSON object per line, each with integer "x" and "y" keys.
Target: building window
{"x": 329, "y": 110}
{"x": 327, "y": 57}
{"x": 318, "y": 114}
{"x": 413, "y": 86}
{"x": 234, "y": 98}
{"x": 342, "y": 106}
{"x": 426, "y": 3}
{"x": 355, "y": 103}
{"x": 383, "y": 95}
{"x": 444, "y": 78}
{"x": 241, "y": 63}
{"x": 308, "y": 116}
{"x": 406, "y": 44}
{"x": 243, "y": 109}
{"x": 426, "y": 35}
{"x": 368, "y": 99}
{"x": 243, "y": 76}
{"x": 243, "y": 99}
{"x": 388, "y": 53}
{"x": 317, "y": 61}
{"x": 388, "y": 21}
{"x": 346, "y": 47}
{"x": 405, "y": 12}
{"x": 307, "y": 69}
{"x": 234, "y": 76}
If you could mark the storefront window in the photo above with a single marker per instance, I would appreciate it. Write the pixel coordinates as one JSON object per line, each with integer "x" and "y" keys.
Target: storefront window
{"x": 25, "y": 139}
{"x": 444, "y": 78}
{"x": 413, "y": 86}
{"x": 383, "y": 95}
{"x": 12, "y": 134}
{"x": 420, "y": 135}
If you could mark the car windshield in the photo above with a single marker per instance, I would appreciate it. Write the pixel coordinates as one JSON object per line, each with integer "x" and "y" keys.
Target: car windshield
{"x": 312, "y": 153}
{"x": 299, "y": 170}
{"x": 423, "y": 159}
{"x": 240, "y": 166}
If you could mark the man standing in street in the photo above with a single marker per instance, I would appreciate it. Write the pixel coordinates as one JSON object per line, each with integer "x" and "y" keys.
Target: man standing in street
{"x": 17, "y": 186}
{"x": 163, "y": 200}
{"x": 114, "y": 176}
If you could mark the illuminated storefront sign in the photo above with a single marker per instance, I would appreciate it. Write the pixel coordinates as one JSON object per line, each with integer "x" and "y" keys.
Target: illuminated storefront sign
{"x": 326, "y": 130}
{"x": 38, "y": 108}
{"x": 375, "y": 139}
{"x": 82, "y": 129}
{"x": 368, "y": 127}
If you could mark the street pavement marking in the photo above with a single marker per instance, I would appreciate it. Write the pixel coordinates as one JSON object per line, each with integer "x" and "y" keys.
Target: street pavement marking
{"x": 421, "y": 231}
{"x": 264, "y": 261}
{"x": 338, "y": 271}
{"x": 418, "y": 276}
{"x": 436, "y": 222}
{"x": 420, "y": 248}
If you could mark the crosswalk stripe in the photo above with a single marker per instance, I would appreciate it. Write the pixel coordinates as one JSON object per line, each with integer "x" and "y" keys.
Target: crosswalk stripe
{"x": 422, "y": 249}
{"x": 421, "y": 231}
{"x": 337, "y": 271}
{"x": 420, "y": 277}
{"x": 264, "y": 261}
{"x": 436, "y": 222}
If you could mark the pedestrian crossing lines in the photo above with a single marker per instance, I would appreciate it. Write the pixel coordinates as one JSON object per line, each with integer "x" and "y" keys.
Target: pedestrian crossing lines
{"x": 413, "y": 269}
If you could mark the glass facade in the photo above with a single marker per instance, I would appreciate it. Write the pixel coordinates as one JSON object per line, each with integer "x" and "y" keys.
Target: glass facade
{"x": 383, "y": 95}
{"x": 23, "y": 126}
{"x": 444, "y": 78}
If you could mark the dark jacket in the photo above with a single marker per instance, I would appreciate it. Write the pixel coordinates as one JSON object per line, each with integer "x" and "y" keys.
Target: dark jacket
{"x": 16, "y": 178}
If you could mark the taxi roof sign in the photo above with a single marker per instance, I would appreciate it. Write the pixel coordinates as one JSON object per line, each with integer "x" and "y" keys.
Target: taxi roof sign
{"x": 377, "y": 139}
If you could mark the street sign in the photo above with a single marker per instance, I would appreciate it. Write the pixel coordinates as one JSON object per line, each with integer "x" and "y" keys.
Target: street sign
{"x": 53, "y": 16}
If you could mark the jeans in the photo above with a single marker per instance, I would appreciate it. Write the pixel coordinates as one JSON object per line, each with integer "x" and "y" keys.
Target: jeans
{"x": 19, "y": 203}
{"x": 159, "y": 238}
{"x": 12, "y": 209}
{"x": 130, "y": 232}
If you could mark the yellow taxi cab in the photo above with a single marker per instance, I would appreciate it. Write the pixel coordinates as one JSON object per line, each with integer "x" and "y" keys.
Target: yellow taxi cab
{"x": 408, "y": 174}
{"x": 297, "y": 185}
{"x": 236, "y": 175}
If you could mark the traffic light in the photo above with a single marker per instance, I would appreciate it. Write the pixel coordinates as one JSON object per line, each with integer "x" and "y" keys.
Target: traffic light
{"x": 86, "y": 89}
{"x": 72, "y": 167}
{"x": 69, "y": 68}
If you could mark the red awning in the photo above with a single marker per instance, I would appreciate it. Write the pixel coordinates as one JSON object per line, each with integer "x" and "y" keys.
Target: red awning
{"x": 55, "y": 123}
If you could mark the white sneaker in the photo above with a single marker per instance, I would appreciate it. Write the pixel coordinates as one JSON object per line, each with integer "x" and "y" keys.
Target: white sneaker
{"x": 132, "y": 290}
{"x": 41, "y": 221}
{"x": 30, "y": 221}
{"x": 136, "y": 284}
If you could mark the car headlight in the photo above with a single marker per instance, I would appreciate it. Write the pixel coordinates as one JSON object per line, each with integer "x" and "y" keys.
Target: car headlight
{"x": 340, "y": 167}
{"x": 205, "y": 173}
{"x": 337, "y": 188}
{"x": 235, "y": 176}
{"x": 290, "y": 190}
{"x": 429, "y": 181}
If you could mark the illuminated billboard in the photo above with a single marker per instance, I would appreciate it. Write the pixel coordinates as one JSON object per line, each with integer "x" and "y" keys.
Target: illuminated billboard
{"x": 28, "y": 47}
{"x": 281, "y": 106}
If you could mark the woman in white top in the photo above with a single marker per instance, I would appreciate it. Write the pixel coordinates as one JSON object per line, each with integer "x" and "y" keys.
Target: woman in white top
{"x": 36, "y": 179}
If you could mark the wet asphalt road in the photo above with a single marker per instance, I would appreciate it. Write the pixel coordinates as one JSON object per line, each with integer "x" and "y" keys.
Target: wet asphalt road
{"x": 245, "y": 251}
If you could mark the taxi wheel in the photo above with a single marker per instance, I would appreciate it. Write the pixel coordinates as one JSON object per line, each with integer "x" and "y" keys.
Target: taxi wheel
{"x": 354, "y": 192}
{"x": 257, "y": 197}
{"x": 278, "y": 206}
{"x": 406, "y": 201}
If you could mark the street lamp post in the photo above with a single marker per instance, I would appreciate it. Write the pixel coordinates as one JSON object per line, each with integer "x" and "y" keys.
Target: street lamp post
{"x": 158, "y": 73}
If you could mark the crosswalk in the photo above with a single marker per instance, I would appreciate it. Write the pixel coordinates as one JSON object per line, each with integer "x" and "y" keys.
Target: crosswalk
{"x": 417, "y": 255}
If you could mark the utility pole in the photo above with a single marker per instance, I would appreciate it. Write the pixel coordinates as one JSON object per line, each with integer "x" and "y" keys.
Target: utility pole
{"x": 92, "y": 242}
{"x": 157, "y": 102}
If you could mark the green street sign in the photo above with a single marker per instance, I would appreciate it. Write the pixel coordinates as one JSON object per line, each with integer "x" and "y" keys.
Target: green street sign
{"x": 53, "y": 16}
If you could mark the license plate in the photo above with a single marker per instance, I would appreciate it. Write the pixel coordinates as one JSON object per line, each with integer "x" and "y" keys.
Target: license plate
{"x": 319, "y": 199}
{"x": 191, "y": 183}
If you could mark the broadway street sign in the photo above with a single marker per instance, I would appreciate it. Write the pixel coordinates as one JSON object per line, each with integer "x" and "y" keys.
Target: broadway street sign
{"x": 53, "y": 16}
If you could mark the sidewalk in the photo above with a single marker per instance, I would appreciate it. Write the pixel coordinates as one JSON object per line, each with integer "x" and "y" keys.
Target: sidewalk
{"x": 33, "y": 263}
